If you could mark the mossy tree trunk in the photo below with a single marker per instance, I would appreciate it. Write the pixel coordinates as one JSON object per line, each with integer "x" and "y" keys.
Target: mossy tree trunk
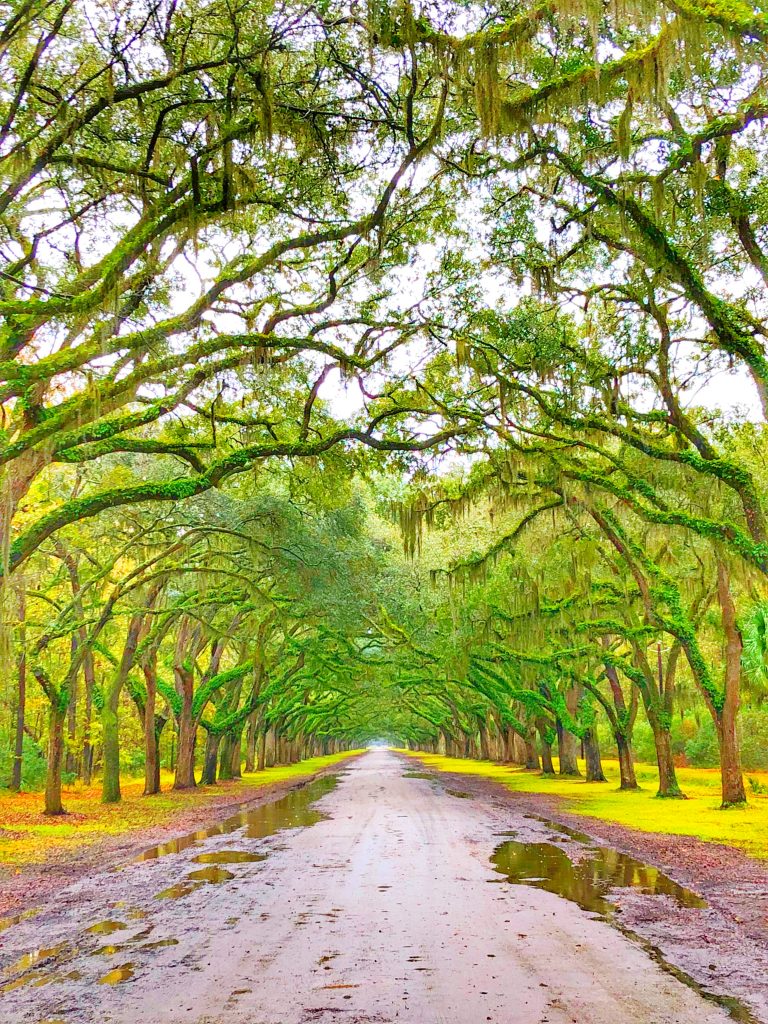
{"x": 669, "y": 788}
{"x": 189, "y": 640}
{"x": 225, "y": 756}
{"x": 531, "y": 753}
{"x": 567, "y": 748}
{"x": 261, "y": 762}
{"x": 657, "y": 695}
{"x": 89, "y": 679}
{"x": 252, "y": 737}
{"x": 58, "y": 700}
{"x": 546, "y": 737}
{"x": 110, "y": 785}
{"x": 592, "y": 758}
{"x": 21, "y": 699}
{"x": 185, "y": 755}
{"x": 236, "y": 754}
{"x": 110, "y": 739}
{"x": 567, "y": 743}
{"x": 210, "y": 759}
{"x": 56, "y": 718}
{"x": 726, "y": 719}
{"x": 151, "y": 733}
{"x": 485, "y": 750}
{"x": 621, "y": 718}
{"x": 628, "y": 778}
{"x": 270, "y": 755}
{"x": 70, "y": 756}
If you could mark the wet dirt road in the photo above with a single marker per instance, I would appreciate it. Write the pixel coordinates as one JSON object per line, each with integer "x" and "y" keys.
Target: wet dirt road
{"x": 386, "y": 910}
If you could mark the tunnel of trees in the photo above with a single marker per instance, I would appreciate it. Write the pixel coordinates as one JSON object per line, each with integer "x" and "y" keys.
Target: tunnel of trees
{"x": 382, "y": 372}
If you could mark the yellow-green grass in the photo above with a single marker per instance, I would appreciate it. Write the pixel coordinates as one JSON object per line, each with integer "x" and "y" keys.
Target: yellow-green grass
{"x": 27, "y": 836}
{"x": 700, "y": 815}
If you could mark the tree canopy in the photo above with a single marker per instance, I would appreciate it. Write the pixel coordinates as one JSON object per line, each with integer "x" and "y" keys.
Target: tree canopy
{"x": 393, "y": 371}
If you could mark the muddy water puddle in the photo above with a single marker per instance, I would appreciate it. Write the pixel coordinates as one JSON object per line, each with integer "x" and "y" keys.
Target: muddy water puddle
{"x": 563, "y": 830}
{"x": 38, "y": 956}
{"x": 588, "y": 880}
{"x": 178, "y": 890}
{"x": 8, "y": 922}
{"x": 229, "y": 857}
{"x": 294, "y": 810}
{"x": 29, "y": 967}
{"x": 106, "y": 927}
{"x": 122, "y": 973}
{"x": 160, "y": 944}
{"x": 107, "y": 950}
{"x": 212, "y": 875}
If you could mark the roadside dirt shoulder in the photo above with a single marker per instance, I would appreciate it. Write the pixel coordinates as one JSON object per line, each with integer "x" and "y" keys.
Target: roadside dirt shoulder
{"x": 24, "y": 887}
{"x": 726, "y": 950}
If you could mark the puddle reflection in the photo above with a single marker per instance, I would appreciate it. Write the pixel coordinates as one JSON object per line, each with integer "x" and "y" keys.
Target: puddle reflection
{"x": 588, "y": 880}
{"x": 291, "y": 811}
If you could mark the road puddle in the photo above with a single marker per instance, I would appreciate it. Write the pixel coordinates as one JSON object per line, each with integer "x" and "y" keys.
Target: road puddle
{"x": 47, "y": 956}
{"x": 563, "y": 830}
{"x": 9, "y": 986}
{"x": 212, "y": 875}
{"x": 229, "y": 857}
{"x": 8, "y": 922}
{"x": 175, "y": 892}
{"x": 587, "y": 880}
{"x": 117, "y": 975}
{"x": 195, "y": 880}
{"x": 294, "y": 810}
{"x": 37, "y": 956}
{"x": 160, "y": 944}
{"x": 106, "y": 927}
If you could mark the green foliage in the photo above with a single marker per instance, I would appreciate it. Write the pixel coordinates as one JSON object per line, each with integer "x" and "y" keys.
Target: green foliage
{"x": 498, "y": 344}
{"x": 33, "y": 765}
{"x": 132, "y": 762}
{"x": 701, "y": 750}
{"x": 755, "y": 636}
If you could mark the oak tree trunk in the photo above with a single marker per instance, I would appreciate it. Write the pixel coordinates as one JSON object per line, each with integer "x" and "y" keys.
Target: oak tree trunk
{"x": 592, "y": 756}
{"x": 626, "y": 763}
{"x": 56, "y": 718}
{"x": 21, "y": 710}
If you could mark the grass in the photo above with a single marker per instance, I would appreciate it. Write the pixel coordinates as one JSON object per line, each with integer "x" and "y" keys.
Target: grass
{"x": 28, "y": 837}
{"x": 700, "y": 815}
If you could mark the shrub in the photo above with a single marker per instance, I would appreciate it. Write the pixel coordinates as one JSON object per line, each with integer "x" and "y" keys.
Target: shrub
{"x": 753, "y": 733}
{"x": 33, "y": 765}
{"x": 754, "y": 738}
{"x": 645, "y": 748}
{"x": 132, "y": 761}
{"x": 701, "y": 750}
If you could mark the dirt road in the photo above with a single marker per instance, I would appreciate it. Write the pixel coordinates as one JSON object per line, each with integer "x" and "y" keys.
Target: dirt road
{"x": 386, "y": 910}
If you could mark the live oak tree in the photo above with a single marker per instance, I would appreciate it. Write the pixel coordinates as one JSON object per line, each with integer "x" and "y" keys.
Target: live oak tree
{"x": 266, "y": 272}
